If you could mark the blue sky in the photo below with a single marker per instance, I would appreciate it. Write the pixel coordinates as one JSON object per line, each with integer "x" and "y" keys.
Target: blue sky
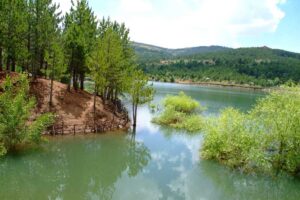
{"x": 186, "y": 23}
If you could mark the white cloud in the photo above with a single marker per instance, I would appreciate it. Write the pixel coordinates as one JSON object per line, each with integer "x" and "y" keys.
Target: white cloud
{"x": 182, "y": 23}
{"x": 65, "y": 5}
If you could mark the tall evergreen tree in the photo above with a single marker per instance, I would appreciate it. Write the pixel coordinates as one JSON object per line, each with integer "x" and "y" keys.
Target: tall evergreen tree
{"x": 43, "y": 24}
{"x": 80, "y": 35}
{"x": 14, "y": 28}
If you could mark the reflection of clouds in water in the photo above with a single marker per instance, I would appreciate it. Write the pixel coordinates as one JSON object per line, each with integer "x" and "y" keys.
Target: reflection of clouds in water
{"x": 191, "y": 185}
{"x": 159, "y": 158}
{"x": 192, "y": 144}
{"x": 144, "y": 121}
{"x": 145, "y": 188}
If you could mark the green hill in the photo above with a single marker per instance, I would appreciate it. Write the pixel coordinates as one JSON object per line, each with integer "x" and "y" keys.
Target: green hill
{"x": 146, "y": 52}
{"x": 260, "y": 66}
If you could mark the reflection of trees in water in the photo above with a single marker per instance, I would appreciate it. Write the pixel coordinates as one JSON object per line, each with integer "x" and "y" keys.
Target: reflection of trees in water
{"x": 76, "y": 169}
{"x": 236, "y": 185}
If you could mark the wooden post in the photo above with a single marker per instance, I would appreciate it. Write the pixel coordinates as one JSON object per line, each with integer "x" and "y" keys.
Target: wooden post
{"x": 74, "y": 129}
{"x": 62, "y": 129}
{"x": 53, "y": 130}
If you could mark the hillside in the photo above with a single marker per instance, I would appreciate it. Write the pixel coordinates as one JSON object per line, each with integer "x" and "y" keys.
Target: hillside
{"x": 75, "y": 108}
{"x": 260, "y": 66}
{"x": 146, "y": 52}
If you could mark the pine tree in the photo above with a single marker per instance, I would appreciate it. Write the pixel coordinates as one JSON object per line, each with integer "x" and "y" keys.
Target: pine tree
{"x": 54, "y": 58}
{"x": 80, "y": 35}
{"x": 43, "y": 23}
{"x": 14, "y": 28}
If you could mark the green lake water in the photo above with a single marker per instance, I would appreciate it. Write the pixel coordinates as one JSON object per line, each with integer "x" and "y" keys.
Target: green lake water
{"x": 156, "y": 163}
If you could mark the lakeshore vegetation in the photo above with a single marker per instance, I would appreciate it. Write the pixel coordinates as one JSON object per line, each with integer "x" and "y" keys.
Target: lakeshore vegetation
{"x": 37, "y": 40}
{"x": 16, "y": 127}
{"x": 257, "y": 66}
{"x": 266, "y": 139}
{"x": 181, "y": 112}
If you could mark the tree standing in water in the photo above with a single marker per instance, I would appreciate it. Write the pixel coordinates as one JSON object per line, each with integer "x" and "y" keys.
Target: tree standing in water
{"x": 140, "y": 93}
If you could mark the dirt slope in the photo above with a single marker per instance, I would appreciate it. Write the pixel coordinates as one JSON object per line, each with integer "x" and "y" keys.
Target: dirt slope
{"x": 76, "y": 108}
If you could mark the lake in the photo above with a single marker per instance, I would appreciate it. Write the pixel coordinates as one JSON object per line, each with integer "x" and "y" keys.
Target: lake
{"x": 155, "y": 163}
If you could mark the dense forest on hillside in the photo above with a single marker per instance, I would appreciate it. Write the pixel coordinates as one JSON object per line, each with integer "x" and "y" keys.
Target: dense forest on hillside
{"x": 252, "y": 66}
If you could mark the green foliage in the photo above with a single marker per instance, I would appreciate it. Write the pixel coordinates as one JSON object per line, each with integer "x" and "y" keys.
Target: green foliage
{"x": 266, "y": 139}
{"x": 79, "y": 39}
{"x": 180, "y": 112}
{"x": 112, "y": 60}
{"x": 139, "y": 92}
{"x": 16, "y": 107}
{"x": 248, "y": 66}
{"x": 228, "y": 139}
{"x": 181, "y": 103}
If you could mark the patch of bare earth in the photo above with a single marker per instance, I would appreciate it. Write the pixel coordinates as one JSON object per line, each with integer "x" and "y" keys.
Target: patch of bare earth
{"x": 74, "y": 110}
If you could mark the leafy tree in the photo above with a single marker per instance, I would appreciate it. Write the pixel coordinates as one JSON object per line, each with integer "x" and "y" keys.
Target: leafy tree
{"x": 140, "y": 93}
{"x": 15, "y": 111}
{"x": 119, "y": 58}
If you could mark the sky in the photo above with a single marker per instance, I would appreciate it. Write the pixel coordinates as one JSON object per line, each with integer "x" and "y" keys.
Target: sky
{"x": 189, "y": 23}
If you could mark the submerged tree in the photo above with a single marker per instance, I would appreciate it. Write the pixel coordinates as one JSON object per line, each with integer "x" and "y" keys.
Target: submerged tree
{"x": 15, "y": 111}
{"x": 140, "y": 92}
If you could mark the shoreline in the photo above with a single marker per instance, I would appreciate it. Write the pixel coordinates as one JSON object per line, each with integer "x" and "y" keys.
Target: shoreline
{"x": 74, "y": 112}
{"x": 221, "y": 85}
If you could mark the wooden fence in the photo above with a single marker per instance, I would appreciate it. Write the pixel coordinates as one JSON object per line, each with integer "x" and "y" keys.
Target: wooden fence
{"x": 67, "y": 129}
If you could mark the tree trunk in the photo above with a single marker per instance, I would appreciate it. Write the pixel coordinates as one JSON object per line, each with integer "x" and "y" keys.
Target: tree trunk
{"x": 74, "y": 80}
{"x": 94, "y": 107}
{"x": 1, "y": 58}
{"x": 82, "y": 81}
{"x": 41, "y": 61}
{"x": 8, "y": 63}
{"x": 51, "y": 92}
{"x": 13, "y": 65}
{"x": 28, "y": 47}
{"x": 51, "y": 84}
{"x": 135, "y": 119}
{"x": 134, "y": 114}
{"x": 69, "y": 86}
{"x": 46, "y": 68}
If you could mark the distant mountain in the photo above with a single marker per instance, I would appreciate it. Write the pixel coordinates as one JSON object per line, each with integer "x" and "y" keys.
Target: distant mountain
{"x": 262, "y": 66}
{"x": 146, "y": 52}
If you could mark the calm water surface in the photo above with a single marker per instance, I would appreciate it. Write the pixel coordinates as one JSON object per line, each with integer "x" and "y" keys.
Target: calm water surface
{"x": 156, "y": 163}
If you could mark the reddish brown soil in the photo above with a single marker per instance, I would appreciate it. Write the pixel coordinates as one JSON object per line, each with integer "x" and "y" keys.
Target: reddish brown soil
{"x": 76, "y": 108}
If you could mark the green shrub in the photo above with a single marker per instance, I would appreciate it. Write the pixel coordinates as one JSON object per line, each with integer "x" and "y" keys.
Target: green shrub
{"x": 192, "y": 123}
{"x": 266, "y": 139}
{"x": 180, "y": 112}
{"x": 182, "y": 103}
{"x": 15, "y": 111}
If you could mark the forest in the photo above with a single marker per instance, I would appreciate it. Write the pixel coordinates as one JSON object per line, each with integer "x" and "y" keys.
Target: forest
{"x": 39, "y": 45}
{"x": 259, "y": 66}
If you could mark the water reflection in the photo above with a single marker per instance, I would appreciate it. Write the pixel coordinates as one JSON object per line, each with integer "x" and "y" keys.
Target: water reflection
{"x": 155, "y": 163}
{"x": 230, "y": 184}
{"x": 66, "y": 169}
